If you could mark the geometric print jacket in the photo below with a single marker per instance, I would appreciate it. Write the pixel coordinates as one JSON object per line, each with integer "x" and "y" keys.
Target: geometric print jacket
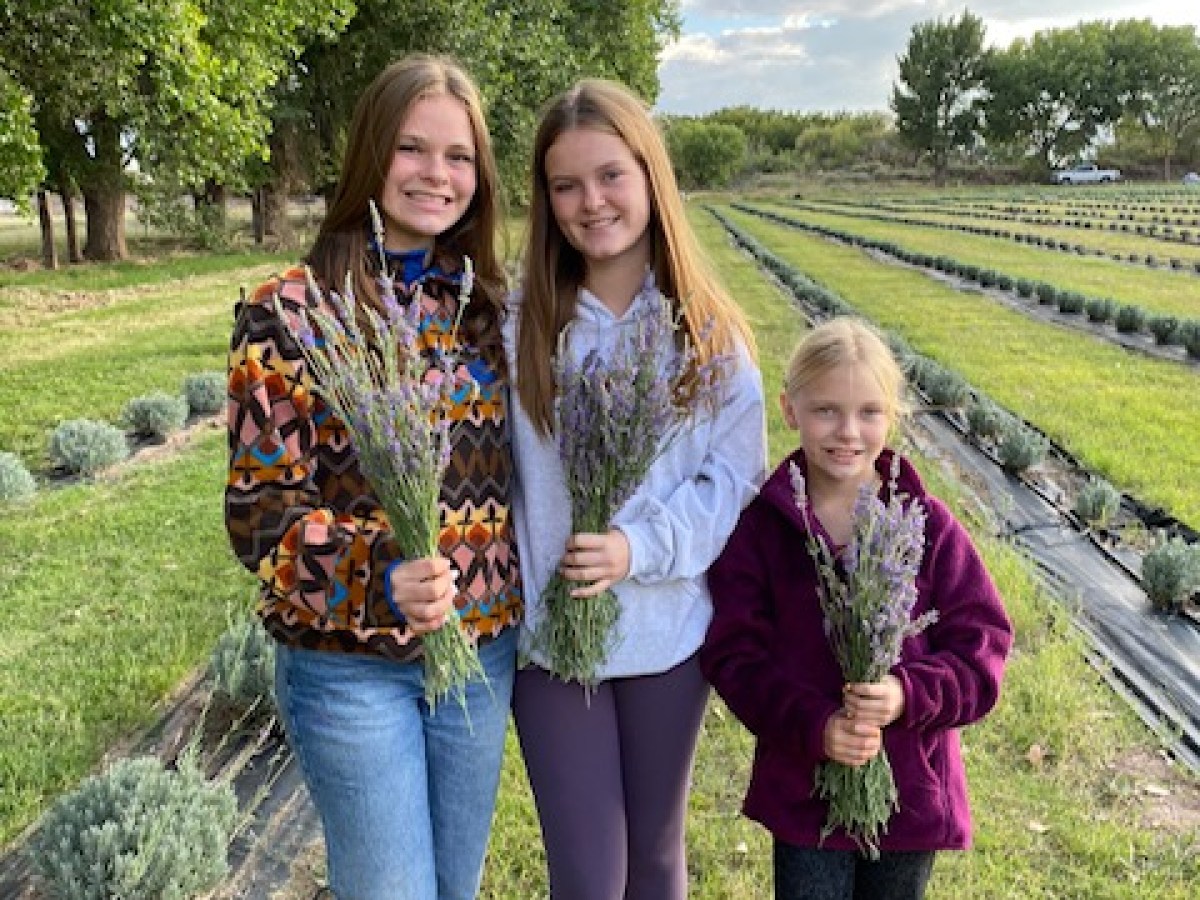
{"x": 302, "y": 516}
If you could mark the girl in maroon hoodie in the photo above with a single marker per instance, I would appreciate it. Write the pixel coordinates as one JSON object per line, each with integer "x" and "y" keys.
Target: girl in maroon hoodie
{"x": 767, "y": 655}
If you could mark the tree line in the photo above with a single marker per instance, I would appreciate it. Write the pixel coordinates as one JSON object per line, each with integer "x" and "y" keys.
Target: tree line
{"x": 202, "y": 98}
{"x": 1128, "y": 88}
{"x": 1053, "y": 98}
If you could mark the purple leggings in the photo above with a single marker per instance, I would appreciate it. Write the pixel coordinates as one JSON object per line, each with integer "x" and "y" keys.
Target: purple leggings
{"x": 610, "y": 777}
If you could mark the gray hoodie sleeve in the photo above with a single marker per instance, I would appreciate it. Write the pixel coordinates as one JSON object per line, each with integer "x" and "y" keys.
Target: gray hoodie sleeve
{"x": 679, "y": 520}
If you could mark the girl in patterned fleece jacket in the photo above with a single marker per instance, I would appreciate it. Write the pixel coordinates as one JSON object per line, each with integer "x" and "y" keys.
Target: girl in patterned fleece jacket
{"x": 767, "y": 655}
{"x": 405, "y": 795}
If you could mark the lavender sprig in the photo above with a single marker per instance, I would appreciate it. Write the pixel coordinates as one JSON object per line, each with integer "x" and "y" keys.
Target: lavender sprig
{"x": 371, "y": 372}
{"x": 614, "y": 415}
{"x": 867, "y": 597}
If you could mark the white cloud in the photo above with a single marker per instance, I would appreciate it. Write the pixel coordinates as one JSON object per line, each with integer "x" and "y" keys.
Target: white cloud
{"x": 833, "y": 55}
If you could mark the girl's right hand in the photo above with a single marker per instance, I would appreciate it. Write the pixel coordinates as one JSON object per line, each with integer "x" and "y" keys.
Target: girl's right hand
{"x": 424, "y": 591}
{"x": 851, "y": 742}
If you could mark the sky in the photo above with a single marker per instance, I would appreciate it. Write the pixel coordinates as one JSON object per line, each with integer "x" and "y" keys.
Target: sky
{"x": 832, "y": 55}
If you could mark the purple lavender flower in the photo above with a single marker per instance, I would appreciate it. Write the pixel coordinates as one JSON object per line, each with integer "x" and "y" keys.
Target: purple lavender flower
{"x": 615, "y": 412}
{"x": 867, "y": 597}
{"x": 375, "y": 375}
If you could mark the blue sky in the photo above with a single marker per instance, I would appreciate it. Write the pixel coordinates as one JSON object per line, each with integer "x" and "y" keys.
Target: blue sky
{"x": 834, "y": 55}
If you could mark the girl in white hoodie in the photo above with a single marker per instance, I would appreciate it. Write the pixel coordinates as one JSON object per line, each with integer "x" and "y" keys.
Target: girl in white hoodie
{"x": 610, "y": 762}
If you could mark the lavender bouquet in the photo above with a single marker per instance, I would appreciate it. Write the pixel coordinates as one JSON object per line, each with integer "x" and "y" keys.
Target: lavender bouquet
{"x": 867, "y": 596}
{"x": 614, "y": 415}
{"x": 370, "y": 371}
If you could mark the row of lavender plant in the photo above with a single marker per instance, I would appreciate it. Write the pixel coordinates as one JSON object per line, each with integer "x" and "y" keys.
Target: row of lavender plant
{"x": 1127, "y": 318}
{"x": 1170, "y": 571}
{"x": 85, "y": 446}
{"x": 1085, "y": 219}
{"x": 1033, "y": 240}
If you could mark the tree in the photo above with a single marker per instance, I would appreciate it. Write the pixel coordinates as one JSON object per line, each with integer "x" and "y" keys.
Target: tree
{"x": 1164, "y": 99}
{"x": 705, "y": 154}
{"x": 937, "y": 100}
{"x": 1054, "y": 92}
{"x": 178, "y": 86}
{"x": 21, "y": 169}
{"x": 520, "y": 52}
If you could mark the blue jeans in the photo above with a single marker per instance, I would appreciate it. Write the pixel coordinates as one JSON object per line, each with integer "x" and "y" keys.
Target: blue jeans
{"x": 405, "y": 796}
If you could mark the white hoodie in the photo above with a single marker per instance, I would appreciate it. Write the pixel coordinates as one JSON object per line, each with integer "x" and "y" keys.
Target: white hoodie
{"x": 677, "y": 521}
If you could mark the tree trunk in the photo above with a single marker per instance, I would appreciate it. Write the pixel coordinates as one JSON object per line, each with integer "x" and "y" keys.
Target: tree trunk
{"x": 214, "y": 198}
{"x": 276, "y": 223}
{"x": 104, "y": 195}
{"x": 256, "y": 217}
{"x": 49, "y": 251}
{"x": 1167, "y": 167}
{"x": 105, "y": 210}
{"x": 68, "y": 205}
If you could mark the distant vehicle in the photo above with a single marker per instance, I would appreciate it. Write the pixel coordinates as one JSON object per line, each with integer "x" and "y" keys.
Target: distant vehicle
{"x": 1191, "y": 178}
{"x": 1085, "y": 173}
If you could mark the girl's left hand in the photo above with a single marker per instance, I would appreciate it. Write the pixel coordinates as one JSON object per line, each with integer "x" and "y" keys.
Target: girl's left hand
{"x": 880, "y": 703}
{"x": 597, "y": 561}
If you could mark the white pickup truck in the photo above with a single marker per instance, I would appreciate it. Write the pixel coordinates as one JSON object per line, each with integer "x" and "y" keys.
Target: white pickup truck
{"x": 1086, "y": 173}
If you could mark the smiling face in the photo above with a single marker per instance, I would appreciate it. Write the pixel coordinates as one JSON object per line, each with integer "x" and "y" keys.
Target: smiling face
{"x": 843, "y": 416}
{"x": 432, "y": 178}
{"x": 600, "y": 198}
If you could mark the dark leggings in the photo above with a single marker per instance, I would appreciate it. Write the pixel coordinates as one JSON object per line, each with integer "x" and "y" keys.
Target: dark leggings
{"x": 806, "y": 873}
{"x": 610, "y": 776}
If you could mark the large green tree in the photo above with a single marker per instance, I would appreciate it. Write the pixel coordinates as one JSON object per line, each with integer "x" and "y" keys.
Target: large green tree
{"x": 1053, "y": 93}
{"x": 937, "y": 100}
{"x": 1164, "y": 88}
{"x": 177, "y": 88}
{"x": 705, "y": 154}
{"x": 519, "y": 51}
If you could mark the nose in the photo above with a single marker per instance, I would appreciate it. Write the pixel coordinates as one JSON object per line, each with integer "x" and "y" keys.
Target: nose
{"x": 847, "y": 427}
{"x": 592, "y": 198}
{"x": 435, "y": 168}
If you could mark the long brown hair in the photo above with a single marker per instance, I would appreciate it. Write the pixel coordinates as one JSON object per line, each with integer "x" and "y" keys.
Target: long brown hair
{"x": 342, "y": 244}
{"x": 554, "y": 270}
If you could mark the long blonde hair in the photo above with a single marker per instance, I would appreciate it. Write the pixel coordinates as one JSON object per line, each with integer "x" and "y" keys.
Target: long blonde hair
{"x": 554, "y": 270}
{"x": 342, "y": 244}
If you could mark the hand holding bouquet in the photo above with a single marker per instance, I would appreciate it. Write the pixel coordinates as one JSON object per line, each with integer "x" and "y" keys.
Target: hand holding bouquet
{"x": 614, "y": 415}
{"x": 867, "y": 596}
{"x": 369, "y": 369}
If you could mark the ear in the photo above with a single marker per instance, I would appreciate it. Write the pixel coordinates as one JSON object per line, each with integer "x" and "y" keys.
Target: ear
{"x": 789, "y": 416}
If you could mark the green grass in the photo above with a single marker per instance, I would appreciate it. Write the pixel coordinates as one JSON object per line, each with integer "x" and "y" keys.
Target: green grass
{"x": 112, "y": 593}
{"x": 87, "y": 362}
{"x": 1121, "y": 414}
{"x": 1175, "y": 293}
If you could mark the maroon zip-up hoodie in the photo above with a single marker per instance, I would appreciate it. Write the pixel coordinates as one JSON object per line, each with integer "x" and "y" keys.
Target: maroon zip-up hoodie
{"x": 767, "y": 656}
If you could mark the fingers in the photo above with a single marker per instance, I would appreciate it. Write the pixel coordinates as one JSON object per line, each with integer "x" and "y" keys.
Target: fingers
{"x": 596, "y": 561}
{"x": 878, "y": 703}
{"x": 424, "y": 591}
{"x": 851, "y": 742}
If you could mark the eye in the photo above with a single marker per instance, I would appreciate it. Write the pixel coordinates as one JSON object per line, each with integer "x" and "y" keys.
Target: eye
{"x": 462, "y": 156}
{"x": 561, "y": 187}
{"x": 611, "y": 175}
{"x": 407, "y": 147}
